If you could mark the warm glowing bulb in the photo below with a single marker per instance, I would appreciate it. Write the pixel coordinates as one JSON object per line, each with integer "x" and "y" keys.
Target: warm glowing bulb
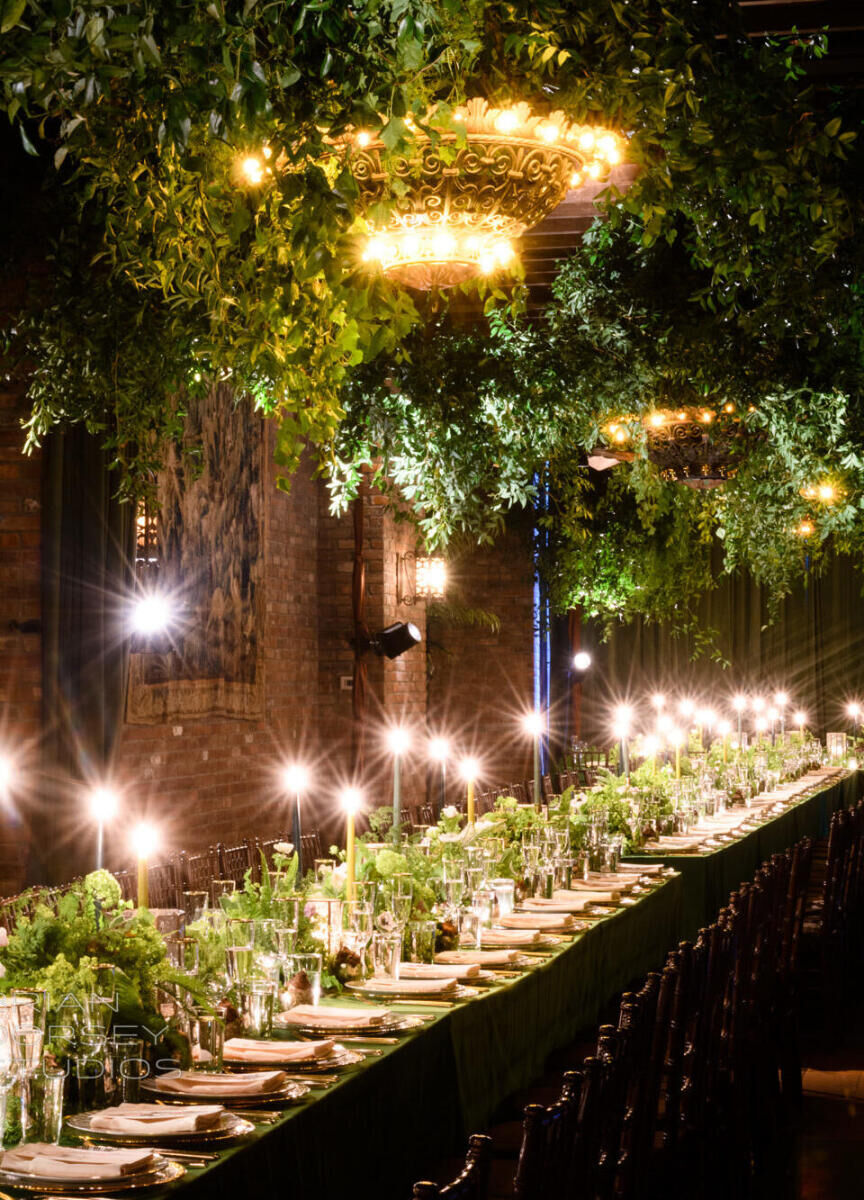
{"x": 439, "y": 749}
{"x": 398, "y": 739}
{"x": 504, "y": 252}
{"x": 686, "y": 708}
{"x": 352, "y": 800}
{"x": 650, "y": 746}
{"x": 623, "y": 720}
{"x": 549, "y": 133}
{"x": 377, "y": 249}
{"x": 657, "y": 419}
{"x": 252, "y": 170}
{"x": 773, "y": 715}
{"x": 267, "y": 151}
{"x": 729, "y": 408}
{"x": 582, "y": 660}
{"x": 724, "y": 728}
{"x": 706, "y": 417}
{"x": 295, "y": 778}
{"x": 658, "y": 701}
{"x": 739, "y": 702}
{"x": 705, "y": 718}
{"x": 586, "y": 140}
{"x": 607, "y": 145}
{"x": 103, "y": 804}
{"x": 665, "y": 723}
{"x": 613, "y": 156}
{"x": 363, "y": 138}
{"x": 151, "y": 614}
{"x": 469, "y": 769}
{"x": 576, "y": 179}
{"x": 781, "y": 699}
{"x": 761, "y": 725}
{"x": 853, "y": 709}
{"x": 594, "y": 170}
{"x": 676, "y": 737}
{"x": 507, "y": 121}
{"x": 757, "y": 704}
{"x": 533, "y": 723}
{"x": 620, "y": 435}
{"x": 826, "y": 492}
{"x": 805, "y": 529}
{"x": 145, "y": 839}
{"x": 800, "y": 719}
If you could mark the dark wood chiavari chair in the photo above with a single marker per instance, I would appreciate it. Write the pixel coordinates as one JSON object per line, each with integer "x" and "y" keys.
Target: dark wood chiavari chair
{"x": 472, "y": 1180}
{"x": 195, "y": 871}
{"x": 235, "y": 861}
{"x": 164, "y": 886}
{"x": 310, "y": 844}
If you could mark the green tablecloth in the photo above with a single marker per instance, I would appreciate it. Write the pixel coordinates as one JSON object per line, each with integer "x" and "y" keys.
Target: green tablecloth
{"x": 391, "y": 1118}
{"x": 709, "y": 878}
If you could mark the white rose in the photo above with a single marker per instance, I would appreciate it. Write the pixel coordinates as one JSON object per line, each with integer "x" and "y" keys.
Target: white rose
{"x": 450, "y": 811}
{"x": 285, "y": 848}
{"x": 483, "y": 824}
{"x": 2, "y": 970}
{"x": 4, "y": 936}
{"x": 451, "y": 837}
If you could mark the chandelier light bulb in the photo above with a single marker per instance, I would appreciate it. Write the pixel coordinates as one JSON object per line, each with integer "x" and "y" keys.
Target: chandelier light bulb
{"x": 252, "y": 170}
{"x": 103, "y": 804}
{"x": 295, "y": 778}
{"x": 507, "y": 121}
{"x": 398, "y": 740}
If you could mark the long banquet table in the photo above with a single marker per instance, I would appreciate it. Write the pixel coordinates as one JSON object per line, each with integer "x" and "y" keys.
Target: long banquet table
{"x": 709, "y": 877}
{"x": 388, "y": 1119}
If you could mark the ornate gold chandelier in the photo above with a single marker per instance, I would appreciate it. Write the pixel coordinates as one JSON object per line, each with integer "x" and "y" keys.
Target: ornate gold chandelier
{"x": 698, "y": 446}
{"x": 458, "y": 201}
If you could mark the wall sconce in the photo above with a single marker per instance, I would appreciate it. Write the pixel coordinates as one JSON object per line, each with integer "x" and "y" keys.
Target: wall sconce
{"x": 420, "y": 577}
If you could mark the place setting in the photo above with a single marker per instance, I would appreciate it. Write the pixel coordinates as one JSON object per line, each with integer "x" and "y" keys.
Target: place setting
{"x": 50, "y": 1169}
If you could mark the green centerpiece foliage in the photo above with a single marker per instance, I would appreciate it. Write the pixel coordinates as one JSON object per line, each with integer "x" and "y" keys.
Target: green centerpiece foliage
{"x": 66, "y": 953}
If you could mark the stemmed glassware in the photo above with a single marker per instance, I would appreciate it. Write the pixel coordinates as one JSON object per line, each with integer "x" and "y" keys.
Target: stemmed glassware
{"x": 453, "y": 883}
{"x": 7, "y": 1076}
{"x": 358, "y": 924}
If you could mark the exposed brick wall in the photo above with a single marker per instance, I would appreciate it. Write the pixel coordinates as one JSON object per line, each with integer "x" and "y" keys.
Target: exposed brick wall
{"x": 20, "y": 653}
{"x": 480, "y": 681}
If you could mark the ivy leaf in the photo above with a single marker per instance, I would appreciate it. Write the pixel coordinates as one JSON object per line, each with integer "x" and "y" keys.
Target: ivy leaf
{"x": 12, "y": 12}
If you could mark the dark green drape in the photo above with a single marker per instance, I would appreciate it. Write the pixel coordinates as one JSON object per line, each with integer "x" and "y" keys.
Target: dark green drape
{"x": 814, "y": 650}
{"x": 87, "y": 577}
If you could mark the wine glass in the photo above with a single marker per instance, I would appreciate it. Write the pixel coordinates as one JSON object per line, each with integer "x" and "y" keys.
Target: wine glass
{"x": 357, "y": 926}
{"x": 26, "y": 1058}
{"x": 7, "y": 1076}
{"x": 402, "y": 899}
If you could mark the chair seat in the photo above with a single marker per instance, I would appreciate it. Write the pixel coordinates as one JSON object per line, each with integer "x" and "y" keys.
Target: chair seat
{"x": 506, "y": 1139}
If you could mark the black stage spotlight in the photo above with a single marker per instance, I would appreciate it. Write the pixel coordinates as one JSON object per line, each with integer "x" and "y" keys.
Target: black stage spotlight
{"x": 396, "y": 639}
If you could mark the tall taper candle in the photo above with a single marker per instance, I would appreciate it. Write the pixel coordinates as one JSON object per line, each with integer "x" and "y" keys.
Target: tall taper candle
{"x": 351, "y": 803}
{"x": 144, "y": 841}
{"x": 295, "y": 781}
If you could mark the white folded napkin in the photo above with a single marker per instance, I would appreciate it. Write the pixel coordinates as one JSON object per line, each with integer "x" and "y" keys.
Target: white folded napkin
{"x": 511, "y": 937}
{"x": 426, "y": 986}
{"x": 151, "y": 1120}
{"x": 641, "y": 868}
{"x": 200, "y": 1083}
{"x": 535, "y": 920}
{"x": 436, "y": 970}
{"x": 481, "y": 958}
{"x": 331, "y": 1016}
{"x": 255, "y": 1050}
{"x": 48, "y": 1161}
{"x": 609, "y": 882}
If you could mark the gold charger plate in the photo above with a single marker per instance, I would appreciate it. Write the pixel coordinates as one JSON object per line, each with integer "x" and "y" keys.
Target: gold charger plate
{"x": 166, "y": 1172}
{"x": 289, "y": 1093}
{"x": 337, "y": 1061}
{"x": 230, "y": 1127}
{"x": 460, "y": 992}
{"x": 394, "y": 1024}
